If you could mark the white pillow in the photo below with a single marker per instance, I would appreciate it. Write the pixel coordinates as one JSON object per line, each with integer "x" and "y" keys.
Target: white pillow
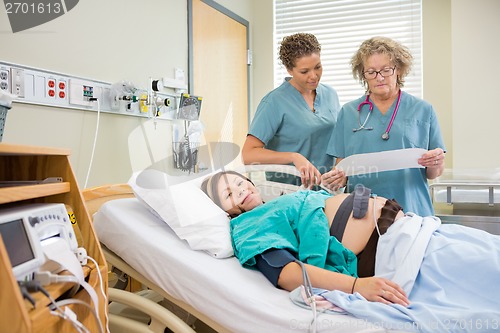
{"x": 192, "y": 215}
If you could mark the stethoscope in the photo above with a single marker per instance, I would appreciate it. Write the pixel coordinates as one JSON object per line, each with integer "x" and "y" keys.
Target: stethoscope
{"x": 385, "y": 135}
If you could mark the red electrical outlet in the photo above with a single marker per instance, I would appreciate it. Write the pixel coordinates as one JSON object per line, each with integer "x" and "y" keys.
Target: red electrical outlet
{"x": 61, "y": 89}
{"x": 51, "y": 88}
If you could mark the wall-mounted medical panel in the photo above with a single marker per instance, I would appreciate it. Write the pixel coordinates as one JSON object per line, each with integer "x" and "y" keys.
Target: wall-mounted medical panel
{"x": 48, "y": 88}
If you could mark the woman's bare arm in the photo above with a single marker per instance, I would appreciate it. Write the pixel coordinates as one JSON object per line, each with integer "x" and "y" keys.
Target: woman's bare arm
{"x": 373, "y": 288}
{"x": 253, "y": 152}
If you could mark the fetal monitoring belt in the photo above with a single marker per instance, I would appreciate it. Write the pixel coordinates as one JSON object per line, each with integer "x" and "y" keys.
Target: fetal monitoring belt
{"x": 366, "y": 258}
{"x": 361, "y": 199}
{"x": 357, "y": 203}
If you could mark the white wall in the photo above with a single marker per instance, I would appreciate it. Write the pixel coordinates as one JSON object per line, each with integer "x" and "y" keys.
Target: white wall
{"x": 475, "y": 75}
{"x": 437, "y": 78}
{"x": 461, "y": 36}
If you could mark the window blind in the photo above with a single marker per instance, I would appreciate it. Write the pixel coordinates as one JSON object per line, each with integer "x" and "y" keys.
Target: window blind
{"x": 341, "y": 26}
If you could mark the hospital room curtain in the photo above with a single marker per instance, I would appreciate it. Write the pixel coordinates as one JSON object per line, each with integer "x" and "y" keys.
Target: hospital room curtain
{"x": 341, "y": 26}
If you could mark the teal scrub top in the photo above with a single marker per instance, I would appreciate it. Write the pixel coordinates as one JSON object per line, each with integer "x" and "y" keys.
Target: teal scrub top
{"x": 284, "y": 122}
{"x": 415, "y": 126}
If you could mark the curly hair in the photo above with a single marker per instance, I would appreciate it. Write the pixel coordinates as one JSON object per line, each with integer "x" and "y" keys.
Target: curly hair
{"x": 400, "y": 55}
{"x": 296, "y": 46}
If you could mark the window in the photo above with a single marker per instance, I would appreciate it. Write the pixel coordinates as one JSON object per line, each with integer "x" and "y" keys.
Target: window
{"x": 341, "y": 26}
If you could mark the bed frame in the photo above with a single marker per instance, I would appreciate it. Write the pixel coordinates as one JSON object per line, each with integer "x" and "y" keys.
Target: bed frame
{"x": 470, "y": 198}
{"x": 160, "y": 316}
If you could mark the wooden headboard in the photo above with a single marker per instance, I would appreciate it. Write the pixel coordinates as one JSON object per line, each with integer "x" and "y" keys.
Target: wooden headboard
{"x": 94, "y": 197}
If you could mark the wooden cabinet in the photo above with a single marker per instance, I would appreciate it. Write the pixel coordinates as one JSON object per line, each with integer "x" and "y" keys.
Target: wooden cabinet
{"x": 26, "y": 165}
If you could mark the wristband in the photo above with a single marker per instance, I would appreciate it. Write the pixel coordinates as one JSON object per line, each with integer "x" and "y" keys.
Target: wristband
{"x": 353, "y": 284}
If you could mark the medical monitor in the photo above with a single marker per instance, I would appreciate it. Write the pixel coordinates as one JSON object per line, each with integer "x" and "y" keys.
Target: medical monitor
{"x": 22, "y": 244}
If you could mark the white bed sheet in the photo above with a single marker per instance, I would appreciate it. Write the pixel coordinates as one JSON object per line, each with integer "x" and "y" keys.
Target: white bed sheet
{"x": 240, "y": 299}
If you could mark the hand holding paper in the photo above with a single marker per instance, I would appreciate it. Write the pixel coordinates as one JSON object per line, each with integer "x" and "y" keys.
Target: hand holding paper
{"x": 381, "y": 161}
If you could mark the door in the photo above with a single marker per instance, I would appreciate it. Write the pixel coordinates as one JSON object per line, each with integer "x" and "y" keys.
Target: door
{"x": 219, "y": 74}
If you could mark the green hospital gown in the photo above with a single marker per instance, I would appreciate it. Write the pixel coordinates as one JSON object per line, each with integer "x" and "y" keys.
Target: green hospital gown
{"x": 295, "y": 222}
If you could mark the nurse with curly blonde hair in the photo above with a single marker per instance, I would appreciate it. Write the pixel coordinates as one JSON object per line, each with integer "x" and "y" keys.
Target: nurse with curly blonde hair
{"x": 387, "y": 118}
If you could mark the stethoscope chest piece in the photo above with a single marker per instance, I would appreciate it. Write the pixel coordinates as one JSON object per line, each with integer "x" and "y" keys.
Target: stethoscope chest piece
{"x": 385, "y": 136}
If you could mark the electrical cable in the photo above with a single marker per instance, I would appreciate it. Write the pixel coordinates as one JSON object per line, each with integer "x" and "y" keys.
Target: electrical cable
{"x": 36, "y": 286}
{"x": 374, "y": 196}
{"x": 309, "y": 294}
{"x": 82, "y": 257}
{"x": 76, "y": 324}
{"x": 45, "y": 278}
{"x": 95, "y": 139}
{"x": 101, "y": 285}
{"x": 26, "y": 294}
{"x": 91, "y": 309}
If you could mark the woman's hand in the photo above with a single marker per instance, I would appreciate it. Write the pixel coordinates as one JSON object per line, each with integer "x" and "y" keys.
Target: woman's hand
{"x": 309, "y": 175}
{"x": 334, "y": 179}
{"x": 433, "y": 160}
{"x": 253, "y": 152}
{"x": 377, "y": 289}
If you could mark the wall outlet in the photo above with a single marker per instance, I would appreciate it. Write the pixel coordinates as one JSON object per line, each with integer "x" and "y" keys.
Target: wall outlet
{"x": 62, "y": 86}
{"x": 51, "y": 87}
{"x": 4, "y": 74}
{"x": 17, "y": 81}
{"x": 80, "y": 91}
{"x": 4, "y": 79}
{"x": 47, "y": 88}
{"x": 4, "y": 86}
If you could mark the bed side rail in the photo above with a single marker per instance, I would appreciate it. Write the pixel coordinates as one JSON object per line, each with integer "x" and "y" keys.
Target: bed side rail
{"x": 469, "y": 185}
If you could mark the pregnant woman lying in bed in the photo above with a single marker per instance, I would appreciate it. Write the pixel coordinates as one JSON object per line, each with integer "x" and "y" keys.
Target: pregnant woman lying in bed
{"x": 335, "y": 236}
{"x": 449, "y": 272}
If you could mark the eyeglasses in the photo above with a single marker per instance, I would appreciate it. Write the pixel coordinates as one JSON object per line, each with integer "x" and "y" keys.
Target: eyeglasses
{"x": 369, "y": 75}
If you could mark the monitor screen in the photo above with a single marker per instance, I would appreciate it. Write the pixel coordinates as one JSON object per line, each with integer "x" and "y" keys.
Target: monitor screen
{"x": 16, "y": 242}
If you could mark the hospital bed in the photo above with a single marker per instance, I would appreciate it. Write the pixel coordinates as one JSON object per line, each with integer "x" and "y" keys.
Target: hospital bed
{"x": 219, "y": 292}
{"x": 468, "y": 197}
